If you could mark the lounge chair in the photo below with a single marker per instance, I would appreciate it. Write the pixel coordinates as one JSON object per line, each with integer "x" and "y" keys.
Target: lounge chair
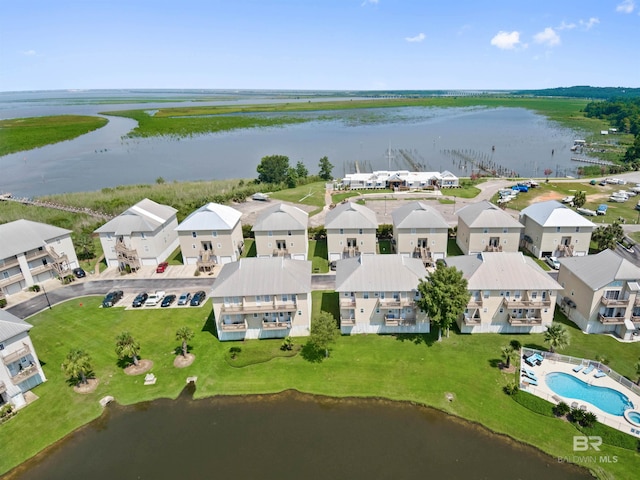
{"x": 529, "y": 378}
{"x": 529, "y": 372}
{"x": 577, "y": 368}
{"x": 530, "y": 381}
{"x": 588, "y": 370}
{"x": 583, "y": 408}
{"x": 600, "y": 374}
{"x": 574, "y": 404}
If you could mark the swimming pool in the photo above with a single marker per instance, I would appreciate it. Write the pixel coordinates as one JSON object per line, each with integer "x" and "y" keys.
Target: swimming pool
{"x": 606, "y": 399}
{"x": 633, "y": 417}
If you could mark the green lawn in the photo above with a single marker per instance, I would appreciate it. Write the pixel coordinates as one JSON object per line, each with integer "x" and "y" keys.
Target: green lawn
{"x": 452, "y": 248}
{"x": 176, "y": 257}
{"x": 384, "y": 246}
{"x": 309, "y": 194}
{"x": 318, "y": 255}
{"x": 404, "y": 367}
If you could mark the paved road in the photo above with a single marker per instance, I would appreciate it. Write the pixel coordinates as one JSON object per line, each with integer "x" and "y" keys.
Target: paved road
{"x": 101, "y": 287}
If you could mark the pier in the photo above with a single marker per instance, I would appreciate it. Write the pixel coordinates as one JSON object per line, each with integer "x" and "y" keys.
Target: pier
{"x": 7, "y": 197}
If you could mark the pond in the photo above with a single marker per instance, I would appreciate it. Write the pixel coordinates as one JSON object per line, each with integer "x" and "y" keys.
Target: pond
{"x": 289, "y": 435}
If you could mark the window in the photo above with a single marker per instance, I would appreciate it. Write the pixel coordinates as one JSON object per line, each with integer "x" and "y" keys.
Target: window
{"x": 342, "y": 231}
{"x": 359, "y": 231}
{"x": 289, "y": 233}
{"x": 362, "y": 310}
{"x": 505, "y": 230}
{"x": 194, "y": 234}
{"x": 577, "y": 229}
{"x": 146, "y": 248}
{"x": 486, "y": 230}
{"x": 413, "y": 230}
{"x": 501, "y": 310}
{"x": 270, "y": 233}
{"x": 487, "y": 293}
{"x": 557, "y": 229}
{"x": 142, "y": 236}
{"x": 365, "y": 295}
{"x": 193, "y": 245}
{"x": 214, "y": 234}
{"x": 219, "y": 245}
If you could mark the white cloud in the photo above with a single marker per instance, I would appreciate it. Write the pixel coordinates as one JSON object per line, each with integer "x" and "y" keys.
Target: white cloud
{"x": 566, "y": 26}
{"x": 506, "y": 40}
{"x": 28, "y": 53}
{"x": 627, "y": 6}
{"x": 418, "y": 38}
{"x": 547, "y": 37}
{"x": 369, "y": 2}
{"x": 589, "y": 23}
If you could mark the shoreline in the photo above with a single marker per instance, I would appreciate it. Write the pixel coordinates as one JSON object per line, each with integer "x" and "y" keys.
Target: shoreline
{"x": 298, "y": 396}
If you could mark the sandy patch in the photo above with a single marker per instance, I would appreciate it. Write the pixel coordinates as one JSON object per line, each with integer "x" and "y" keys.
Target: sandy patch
{"x": 181, "y": 362}
{"x": 547, "y": 196}
{"x": 142, "y": 367}
{"x": 90, "y": 386}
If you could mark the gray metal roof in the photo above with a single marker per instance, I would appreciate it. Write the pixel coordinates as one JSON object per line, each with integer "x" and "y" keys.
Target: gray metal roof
{"x": 379, "y": 273}
{"x": 212, "y": 216}
{"x": 554, "y": 214}
{"x": 145, "y": 216}
{"x": 263, "y": 276}
{"x": 486, "y": 215}
{"x": 601, "y": 269}
{"x": 503, "y": 271}
{"x": 350, "y": 215}
{"x": 10, "y": 326}
{"x": 418, "y": 215}
{"x": 23, "y": 235}
{"x": 281, "y": 217}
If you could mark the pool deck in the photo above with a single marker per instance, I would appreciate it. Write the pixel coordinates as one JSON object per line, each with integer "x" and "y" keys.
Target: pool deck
{"x": 543, "y": 391}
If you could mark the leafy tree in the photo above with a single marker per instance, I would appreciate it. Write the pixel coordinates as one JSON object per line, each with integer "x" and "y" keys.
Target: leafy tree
{"x": 287, "y": 344}
{"x": 579, "y": 199}
{"x": 127, "y": 347}
{"x": 77, "y": 365}
{"x": 273, "y": 169}
{"x": 325, "y": 169}
{"x": 444, "y": 296}
{"x": 184, "y": 334}
{"x": 507, "y": 353}
{"x": 637, "y": 365}
{"x": 556, "y": 336}
{"x": 607, "y": 236}
{"x": 291, "y": 178}
{"x": 323, "y": 332}
{"x": 301, "y": 170}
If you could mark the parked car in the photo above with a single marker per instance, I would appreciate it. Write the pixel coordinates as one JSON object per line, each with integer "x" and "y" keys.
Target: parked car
{"x": 162, "y": 267}
{"x": 168, "y": 300}
{"x": 553, "y": 262}
{"x": 618, "y": 198}
{"x": 602, "y": 183}
{"x": 140, "y": 299}
{"x": 629, "y": 193}
{"x": 602, "y": 209}
{"x": 184, "y": 299}
{"x": 569, "y": 199}
{"x": 586, "y": 211}
{"x": 79, "y": 273}
{"x": 154, "y": 298}
{"x": 112, "y": 298}
{"x": 198, "y": 298}
{"x": 520, "y": 188}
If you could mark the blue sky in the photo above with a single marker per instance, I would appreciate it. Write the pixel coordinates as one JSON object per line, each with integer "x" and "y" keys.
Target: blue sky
{"x": 318, "y": 44}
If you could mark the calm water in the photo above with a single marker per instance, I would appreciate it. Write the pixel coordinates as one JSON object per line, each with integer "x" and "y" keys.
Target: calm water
{"x": 523, "y": 142}
{"x": 287, "y": 436}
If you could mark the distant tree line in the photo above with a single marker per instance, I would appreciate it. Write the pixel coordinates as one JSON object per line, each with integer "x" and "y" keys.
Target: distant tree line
{"x": 584, "y": 91}
{"x": 275, "y": 169}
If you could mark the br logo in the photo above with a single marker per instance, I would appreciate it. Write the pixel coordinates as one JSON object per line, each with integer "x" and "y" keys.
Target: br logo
{"x": 582, "y": 443}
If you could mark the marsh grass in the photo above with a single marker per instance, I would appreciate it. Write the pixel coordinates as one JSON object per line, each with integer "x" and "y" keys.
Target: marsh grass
{"x": 21, "y": 134}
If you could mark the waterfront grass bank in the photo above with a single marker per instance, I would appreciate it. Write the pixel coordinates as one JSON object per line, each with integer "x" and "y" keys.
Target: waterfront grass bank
{"x": 414, "y": 368}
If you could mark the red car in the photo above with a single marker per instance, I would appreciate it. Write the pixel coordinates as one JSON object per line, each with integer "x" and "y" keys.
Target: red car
{"x": 162, "y": 267}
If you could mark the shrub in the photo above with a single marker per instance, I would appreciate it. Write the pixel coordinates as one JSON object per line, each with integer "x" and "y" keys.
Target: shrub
{"x": 235, "y": 351}
{"x": 3, "y": 302}
{"x": 576, "y": 415}
{"x": 34, "y": 288}
{"x": 511, "y": 388}
{"x": 561, "y": 409}
{"x": 287, "y": 344}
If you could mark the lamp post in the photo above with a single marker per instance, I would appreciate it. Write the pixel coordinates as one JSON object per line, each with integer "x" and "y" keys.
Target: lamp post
{"x": 46, "y": 296}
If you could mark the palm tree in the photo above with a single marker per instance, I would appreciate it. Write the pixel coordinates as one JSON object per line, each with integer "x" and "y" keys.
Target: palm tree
{"x": 507, "y": 353}
{"x": 589, "y": 419}
{"x": 556, "y": 336}
{"x": 184, "y": 334}
{"x": 77, "y": 365}
{"x": 127, "y": 347}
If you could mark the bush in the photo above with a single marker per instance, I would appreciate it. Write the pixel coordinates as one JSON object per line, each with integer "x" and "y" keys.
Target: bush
{"x": 287, "y": 344}
{"x": 511, "y": 388}
{"x": 576, "y": 415}
{"x": 34, "y": 288}
{"x": 3, "y": 302}
{"x": 561, "y": 409}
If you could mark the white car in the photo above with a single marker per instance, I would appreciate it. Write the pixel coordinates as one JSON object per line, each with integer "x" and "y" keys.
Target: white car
{"x": 619, "y": 199}
{"x": 553, "y": 262}
{"x": 154, "y": 299}
{"x": 568, "y": 199}
{"x": 629, "y": 193}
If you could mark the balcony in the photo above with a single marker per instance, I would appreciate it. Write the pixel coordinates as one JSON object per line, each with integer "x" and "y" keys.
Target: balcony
{"x": 33, "y": 254}
{"x": 611, "y": 320}
{"x": 392, "y": 321}
{"x": 234, "y": 327}
{"x": 614, "y": 302}
{"x": 565, "y": 250}
{"x": 25, "y": 373}
{"x": 9, "y": 262}
{"x": 524, "y": 303}
{"x": 524, "y": 321}
{"x": 17, "y": 355}
{"x": 12, "y": 279}
{"x": 347, "y": 302}
{"x": 3, "y": 387}
{"x": 127, "y": 256}
{"x": 472, "y": 320}
{"x": 281, "y": 252}
{"x": 423, "y": 253}
{"x": 278, "y": 325}
{"x": 493, "y": 248}
{"x": 206, "y": 261}
{"x": 385, "y": 304}
{"x": 41, "y": 268}
{"x": 351, "y": 252}
{"x": 347, "y": 321}
{"x": 475, "y": 302}
{"x": 272, "y": 306}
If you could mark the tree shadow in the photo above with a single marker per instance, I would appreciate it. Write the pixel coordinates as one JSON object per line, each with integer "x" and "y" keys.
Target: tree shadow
{"x": 75, "y": 381}
{"x": 178, "y": 350}
{"x": 331, "y": 304}
{"x": 123, "y": 363}
{"x": 495, "y": 363}
{"x": 535, "y": 346}
{"x": 418, "y": 338}
{"x": 210, "y": 325}
{"x": 311, "y": 353}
